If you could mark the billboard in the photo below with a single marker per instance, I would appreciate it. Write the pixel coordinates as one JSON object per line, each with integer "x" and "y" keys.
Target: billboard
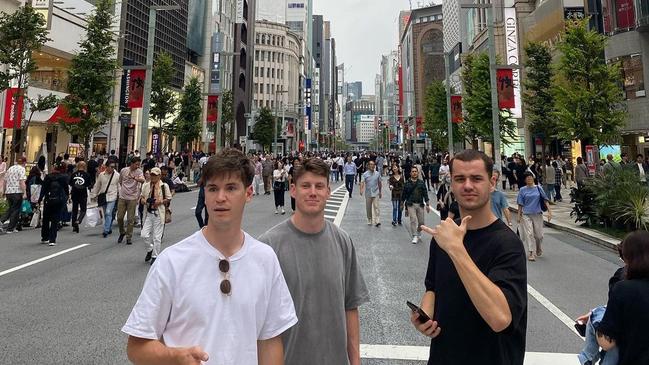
{"x": 13, "y": 108}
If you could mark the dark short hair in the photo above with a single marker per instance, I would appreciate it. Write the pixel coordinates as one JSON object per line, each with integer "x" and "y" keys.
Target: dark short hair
{"x": 229, "y": 161}
{"x": 635, "y": 251}
{"x": 135, "y": 160}
{"x": 473, "y": 155}
{"x": 313, "y": 165}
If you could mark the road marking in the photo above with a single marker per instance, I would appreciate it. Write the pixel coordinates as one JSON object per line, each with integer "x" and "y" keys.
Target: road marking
{"x": 564, "y": 318}
{"x": 330, "y": 216}
{"x": 342, "y": 208}
{"x": 42, "y": 259}
{"x": 420, "y": 353}
{"x": 331, "y": 210}
{"x": 192, "y": 208}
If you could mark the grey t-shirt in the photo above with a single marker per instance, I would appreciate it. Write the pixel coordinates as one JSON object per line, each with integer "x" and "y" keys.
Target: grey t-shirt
{"x": 324, "y": 279}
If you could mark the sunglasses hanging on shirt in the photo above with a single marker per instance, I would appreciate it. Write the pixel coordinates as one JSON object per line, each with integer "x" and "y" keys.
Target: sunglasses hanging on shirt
{"x": 226, "y": 286}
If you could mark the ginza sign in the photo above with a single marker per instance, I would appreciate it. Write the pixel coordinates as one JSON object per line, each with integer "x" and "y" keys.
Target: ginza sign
{"x": 511, "y": 34}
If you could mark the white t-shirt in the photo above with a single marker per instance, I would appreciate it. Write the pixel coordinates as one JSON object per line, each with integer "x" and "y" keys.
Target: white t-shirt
{"x": 443, "y": 170}
{"x": 181, "y": 302}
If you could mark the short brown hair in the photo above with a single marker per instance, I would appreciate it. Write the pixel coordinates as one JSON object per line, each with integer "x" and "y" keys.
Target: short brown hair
{"x": 229, "y": 161}
{"x": 313, "y": 165}
{"x": 473, "y": 155}
{"x": 635, "y": 252}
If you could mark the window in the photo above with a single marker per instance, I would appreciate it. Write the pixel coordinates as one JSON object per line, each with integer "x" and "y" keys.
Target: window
{"x": 268, "y": 72}
{"x": 273, "y": 73}
{"x": 261, "y": 73}
{"x": 267, "y": 88}
{"x": 633, "y": 76}
{"x": 257, "y": 55}
{"x": 256, "y": 71}
{"x": 273, "y": 56}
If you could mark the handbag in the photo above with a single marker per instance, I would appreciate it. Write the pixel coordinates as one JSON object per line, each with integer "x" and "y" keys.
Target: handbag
{"x": 26, "y": 208}
{"x": 35, "y": 192}
{"x": 101, "y": 198}
{"x": 167, "y": 209}
{"x": 544, "y": 206}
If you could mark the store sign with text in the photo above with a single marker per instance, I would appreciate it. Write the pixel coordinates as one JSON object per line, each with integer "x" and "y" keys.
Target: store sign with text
{"x": 456, "y": 109}
{"x": 505, "y": 88}
{"x": 513, "y": 58}
{"x": 212, "y": 108}
{"x": 13, "y": 108}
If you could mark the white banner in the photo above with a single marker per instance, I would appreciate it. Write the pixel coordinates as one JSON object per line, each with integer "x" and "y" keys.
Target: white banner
{"x": 239, "y": 18}
{"x": 513, "y": 51}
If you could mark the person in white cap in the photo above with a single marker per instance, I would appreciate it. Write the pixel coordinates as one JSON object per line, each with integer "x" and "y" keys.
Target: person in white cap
{"x": 155, "y": 196}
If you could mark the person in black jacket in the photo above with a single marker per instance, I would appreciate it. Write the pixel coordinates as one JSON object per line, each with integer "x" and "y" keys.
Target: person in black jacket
{"x": 79, "y": 183}
{"x": 54, "y": 195}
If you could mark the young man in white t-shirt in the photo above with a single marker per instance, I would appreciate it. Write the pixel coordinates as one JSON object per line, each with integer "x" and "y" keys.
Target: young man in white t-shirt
{"x": 218, "y": 296}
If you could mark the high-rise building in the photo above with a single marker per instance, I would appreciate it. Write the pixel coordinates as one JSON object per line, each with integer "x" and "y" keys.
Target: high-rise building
{"x": 244, "y": 37}
{"x": 354, "y": 90}
{"x": 271, "y": 10}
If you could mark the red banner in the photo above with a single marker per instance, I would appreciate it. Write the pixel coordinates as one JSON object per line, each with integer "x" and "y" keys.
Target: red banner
{"x": 61, "y": 114}
{"x": 624, "y": 14}
{"x": 419, "y": 125}
{"x": 136, "y": 89}
{"x": 212, "y": 108}
{"x": 10, "y": 120}
{"x": 456, "y": 109}
{"x": 505, "y": 88}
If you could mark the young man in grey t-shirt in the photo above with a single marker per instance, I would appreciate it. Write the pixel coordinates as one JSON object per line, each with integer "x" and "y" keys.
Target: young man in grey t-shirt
{"x": 319, "y": 264}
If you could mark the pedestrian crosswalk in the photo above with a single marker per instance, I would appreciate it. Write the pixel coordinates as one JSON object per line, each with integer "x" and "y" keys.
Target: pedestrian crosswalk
{"x": 336, "y": 205}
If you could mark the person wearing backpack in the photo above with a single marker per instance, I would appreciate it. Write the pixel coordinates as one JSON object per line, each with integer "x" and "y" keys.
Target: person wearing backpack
{"x": 54, "y": 196}
{"x": 79, "y": 183}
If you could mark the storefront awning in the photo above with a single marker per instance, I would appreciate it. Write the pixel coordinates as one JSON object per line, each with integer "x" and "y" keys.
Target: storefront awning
{"x": 61, "y": 114}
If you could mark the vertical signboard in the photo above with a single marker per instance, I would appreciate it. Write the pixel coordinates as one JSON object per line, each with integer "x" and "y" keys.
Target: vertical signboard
{"x": 511, "y": 42}
{"x": 456, "y": 109}
{"x": 239, "y": 15}
{"x": 155, "y": 142}
{"x": 307, "y": 102}
{"x": 290, "y": 129}
{"x": 212, "y": 108}
{"x": 505, "y": 88}
{"x": 624, "y": 14}
{"x": 13, "y": 108}
{"x": 136, "y": 89}
{"x": 592, "y": 159}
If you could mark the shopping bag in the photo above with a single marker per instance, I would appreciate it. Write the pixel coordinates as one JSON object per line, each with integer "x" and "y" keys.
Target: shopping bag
{"x": 26, "y": 207}
{"x": 93, "y": 217}
{"x": 35, "y": 191}
{"x": 36, "y": 218}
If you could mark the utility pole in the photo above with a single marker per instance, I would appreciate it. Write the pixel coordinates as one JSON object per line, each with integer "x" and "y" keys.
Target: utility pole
{"x": 148, "y": 79}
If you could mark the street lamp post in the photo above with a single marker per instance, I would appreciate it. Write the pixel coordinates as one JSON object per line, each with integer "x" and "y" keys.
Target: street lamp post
{"x": 277, "y": 92}
{"x": 148, "y": 79}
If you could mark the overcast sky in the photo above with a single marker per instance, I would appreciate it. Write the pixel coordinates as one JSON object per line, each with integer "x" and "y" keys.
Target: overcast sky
{"x": 364, "y": 30}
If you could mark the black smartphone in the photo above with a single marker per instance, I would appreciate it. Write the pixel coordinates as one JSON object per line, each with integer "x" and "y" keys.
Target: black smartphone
{"x": 423, "y": 317}
{"x": 581, "y": 328}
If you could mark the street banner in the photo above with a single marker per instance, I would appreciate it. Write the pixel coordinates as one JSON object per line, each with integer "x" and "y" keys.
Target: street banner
{"x": 290, "y": 129}
{"x": 155, "y": 142}
{"x": 456, "y": 109}
{"x": 513, "y": 58}
{"x": 136, "y": 89}
{"x": 420, "y": 124}
{"x": 625, "y": 14}
{"x": 212, "y": 108}
{"x": 505, "y": 88}
{"x": 12, "y": 116}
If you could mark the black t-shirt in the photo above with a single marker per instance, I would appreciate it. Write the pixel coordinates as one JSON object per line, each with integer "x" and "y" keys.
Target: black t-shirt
{"x": 626, "y": 320}
{"x": 80, "y": 182}
{"x": 465, "y": 337}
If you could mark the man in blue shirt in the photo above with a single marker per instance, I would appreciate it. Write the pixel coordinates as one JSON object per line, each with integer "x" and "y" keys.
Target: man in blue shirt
{"x": 350, "y": 171}
{"x": 499, "y": 204}
{"x": 371, "y": 186}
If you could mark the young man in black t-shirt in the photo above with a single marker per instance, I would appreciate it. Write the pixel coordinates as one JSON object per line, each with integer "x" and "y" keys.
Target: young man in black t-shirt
{"x": 476, "y": 282}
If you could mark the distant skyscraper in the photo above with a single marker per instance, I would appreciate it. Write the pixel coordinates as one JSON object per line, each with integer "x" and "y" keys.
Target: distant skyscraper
{"x": 354, "y": 90}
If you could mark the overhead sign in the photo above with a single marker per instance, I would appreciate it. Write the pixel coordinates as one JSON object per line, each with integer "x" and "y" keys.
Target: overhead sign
{"x": 505, "y": 88}
{"x": 367, "y": 118}
{"x": 307, "y": 102}
{"x": 574, "y": 12}
{"x": 136, "y": 89}
{"x": 511, "y": 36}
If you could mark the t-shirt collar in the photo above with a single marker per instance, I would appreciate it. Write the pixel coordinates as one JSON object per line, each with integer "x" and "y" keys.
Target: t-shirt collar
{"x": 212, "y": 251}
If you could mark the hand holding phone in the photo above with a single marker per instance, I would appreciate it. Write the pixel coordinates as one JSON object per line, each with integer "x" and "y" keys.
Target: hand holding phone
{"x": 423, "y": 317}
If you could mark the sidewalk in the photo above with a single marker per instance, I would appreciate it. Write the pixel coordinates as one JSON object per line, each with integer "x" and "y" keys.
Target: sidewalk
{"x": 561, "y": 220}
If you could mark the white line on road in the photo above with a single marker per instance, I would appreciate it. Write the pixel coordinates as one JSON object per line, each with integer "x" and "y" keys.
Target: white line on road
{"x": 342, "y": 208}
{"x": 42, "y": 259}
{"x": 420, "y": 353}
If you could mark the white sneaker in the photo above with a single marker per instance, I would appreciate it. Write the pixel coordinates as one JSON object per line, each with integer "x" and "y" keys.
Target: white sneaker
{"x": 283, "y": 211}
{"x": 276, "y": 211}
{"x": 52, "y": 244}
{"x": 415, "y": 240}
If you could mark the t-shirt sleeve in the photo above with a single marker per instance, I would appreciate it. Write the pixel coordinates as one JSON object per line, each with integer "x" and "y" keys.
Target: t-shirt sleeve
{"x": 148, "y": 318}
{"x": 455, "y": 209}
{"x": 520, "y": 200}
{"x": 509, "y": 273}
{"x": 356, "y": 292}
{"x": 503, "y": 201}
{"x": 280, "y": 313}
{"x": 429, "y": 282}
{"x": 610, "y": 324}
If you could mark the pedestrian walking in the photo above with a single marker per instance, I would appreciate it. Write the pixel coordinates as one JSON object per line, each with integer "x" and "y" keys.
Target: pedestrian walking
{"x": 434, "y": 173}
{"x": 129, "y": 179}
{"x": 291, "y": 179}
{"x": 350, "y": 171}
{"x": 54, "y": 196}
{"x": 279, "y": 186}
{"x": 360, "y": 167}
{"x": 396, "y": 184}
{"x": 340, "y": 160}
{"x": 415, "y": 198}
{"x": 558, "y": 178}
{"x": 581, "y": 173}
{"x": 267, "y": 173}
{"x": 371, "y": 185}
{"x": 499, "y": 203}
{"x": 3, "y": 171}
{"x": 105, "y": 192}
{"x": 328, "y": 330}
{"x": 15, "y": 190}
{"x": 249, "y": 304}
{"x": 201, "y": 207}
{"x": 549, "y": 178}
{"x": 532, "y": 202}
{"x": 476, "y": 281}
{"x": 258, "y": 179}
{"x": 156, "y": 197}
{"x": 79, "y": 184}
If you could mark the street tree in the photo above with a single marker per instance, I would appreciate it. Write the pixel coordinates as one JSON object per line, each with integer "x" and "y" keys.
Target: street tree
{"x": 188, "y": 123}
{"x": 91, "y": 77}
{"x": 21, "y": 33}
{"x": 538, "y": 97}
{"x": 263, "y": 129}
{"x": 589, "y": 98}
{"x": 163, "y": 99}
{"x": 478, "y": 120}
{"x": 436, "y": 116}
{"x": 40, "y": 104}
{"x": 227, "y": 119}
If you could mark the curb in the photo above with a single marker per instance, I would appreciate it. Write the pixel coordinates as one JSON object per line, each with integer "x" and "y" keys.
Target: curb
{"x": 595, "y": 240}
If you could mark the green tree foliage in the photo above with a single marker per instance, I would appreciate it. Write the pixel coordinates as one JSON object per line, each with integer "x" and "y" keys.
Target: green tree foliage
{"x": 478, "y": 121}
{"x": 436, "y": 117}
{"x": 538, "y": 96}
{"x": 91, "y": 76}
{"x": 227, "y": 119}
{"x": 589, "y": 99}
{"x": 163, "y": 99}
{"x": 263, "y": 129}
{"x": 188, "y": 123}
{"x": 21, "y": 33}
